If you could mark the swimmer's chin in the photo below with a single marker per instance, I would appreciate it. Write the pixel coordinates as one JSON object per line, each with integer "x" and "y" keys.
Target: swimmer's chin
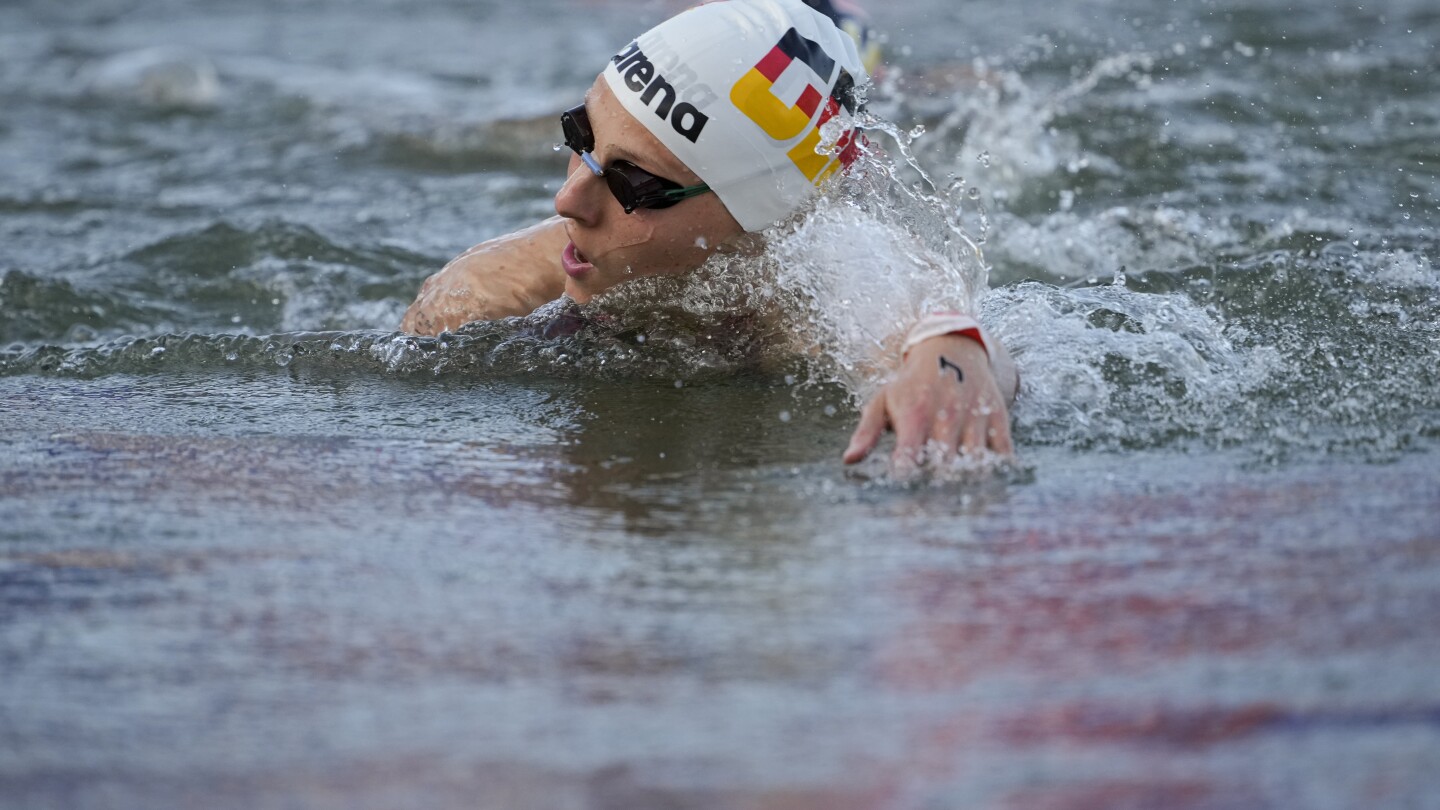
{"x": 582, "y": 288}
{"x": 576, "y": 294}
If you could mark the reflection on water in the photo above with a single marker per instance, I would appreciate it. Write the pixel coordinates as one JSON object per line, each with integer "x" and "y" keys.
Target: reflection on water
{"x": 645, "y": 595}
{"x": 256, "y": 549}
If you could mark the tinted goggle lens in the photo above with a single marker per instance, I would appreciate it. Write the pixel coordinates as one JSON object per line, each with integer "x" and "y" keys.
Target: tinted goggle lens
{"x": 636, "y": 188}
{"x": 575, "y": 123}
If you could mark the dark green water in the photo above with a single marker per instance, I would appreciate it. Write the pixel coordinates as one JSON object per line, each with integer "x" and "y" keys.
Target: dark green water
{"x": 257, "y": 550}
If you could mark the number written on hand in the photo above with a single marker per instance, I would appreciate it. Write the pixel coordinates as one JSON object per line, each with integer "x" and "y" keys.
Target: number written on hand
{"x": 945, "y": 363}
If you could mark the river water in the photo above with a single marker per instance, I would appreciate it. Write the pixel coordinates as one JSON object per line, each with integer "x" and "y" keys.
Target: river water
{"x": 259, "y": 550}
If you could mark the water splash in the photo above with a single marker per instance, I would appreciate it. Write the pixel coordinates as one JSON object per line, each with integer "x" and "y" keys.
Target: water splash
{"x": 1108, "y": 366}
{"x": 986, "y": 119}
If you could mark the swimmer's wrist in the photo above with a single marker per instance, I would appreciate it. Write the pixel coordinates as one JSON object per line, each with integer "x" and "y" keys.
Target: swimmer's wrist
{"x": 945, "y": 324}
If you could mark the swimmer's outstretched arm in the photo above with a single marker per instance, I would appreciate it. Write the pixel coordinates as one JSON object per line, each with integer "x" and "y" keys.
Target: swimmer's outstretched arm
{"x": 948, "y": 390}
{"x": 509, "y": 275}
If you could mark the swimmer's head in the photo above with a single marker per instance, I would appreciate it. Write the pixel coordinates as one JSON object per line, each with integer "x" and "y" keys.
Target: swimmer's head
{"x": 719, "y": 121}
{"x": 757, "y": 97}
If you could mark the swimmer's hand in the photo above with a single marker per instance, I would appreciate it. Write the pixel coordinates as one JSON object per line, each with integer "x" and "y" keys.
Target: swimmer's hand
{"x": 947, "y": 391}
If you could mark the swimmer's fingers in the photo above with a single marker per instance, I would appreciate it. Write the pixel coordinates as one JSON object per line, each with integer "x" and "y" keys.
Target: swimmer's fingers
{"x": 999, "y": 433}
{"x": 945, "y": 431}
{"x": 972, "y": 438}
{"x": 912, "y": 428}
{"x": 867, "y": 434}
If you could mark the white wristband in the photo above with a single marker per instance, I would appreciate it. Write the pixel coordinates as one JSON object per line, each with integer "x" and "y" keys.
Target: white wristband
{"x": 945, "y": 323}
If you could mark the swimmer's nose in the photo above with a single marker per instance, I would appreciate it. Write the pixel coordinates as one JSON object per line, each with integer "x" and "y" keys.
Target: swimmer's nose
{"x": 582, "y": 196}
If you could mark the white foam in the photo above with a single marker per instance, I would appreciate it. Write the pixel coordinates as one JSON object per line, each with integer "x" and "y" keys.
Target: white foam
{"x": 162, "y": 76}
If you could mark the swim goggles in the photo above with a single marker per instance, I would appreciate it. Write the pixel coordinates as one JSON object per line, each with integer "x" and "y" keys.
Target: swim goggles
{"x": 632, "y": 186}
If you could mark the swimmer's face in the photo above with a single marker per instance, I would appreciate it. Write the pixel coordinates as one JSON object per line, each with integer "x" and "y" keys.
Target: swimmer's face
{"x": 610, "y": 246}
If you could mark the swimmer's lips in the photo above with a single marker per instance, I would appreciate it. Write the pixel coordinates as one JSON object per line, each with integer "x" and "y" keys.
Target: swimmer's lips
{"x": 574, "y": 263}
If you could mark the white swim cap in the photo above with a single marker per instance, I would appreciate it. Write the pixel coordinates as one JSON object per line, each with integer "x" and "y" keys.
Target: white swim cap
{"x": 744, "y": 92}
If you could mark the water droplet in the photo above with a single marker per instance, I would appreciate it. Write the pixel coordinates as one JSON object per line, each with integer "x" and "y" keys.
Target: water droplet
{"x": 917, "y": 130}
{"x": 830, "y": 410}
{"x": 679, "y": 384}
{"x": 557, "y": 146}
{"x": 984, "y": 159}
{"x": 784, "y": 416}
{"x": 973, "y": 193}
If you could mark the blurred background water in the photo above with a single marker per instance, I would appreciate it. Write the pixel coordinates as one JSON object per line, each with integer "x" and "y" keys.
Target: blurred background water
{"x": 259, "y": 550}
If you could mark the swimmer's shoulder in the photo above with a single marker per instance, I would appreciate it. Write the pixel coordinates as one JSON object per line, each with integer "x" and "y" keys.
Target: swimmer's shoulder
{"x": 509, "y": 275}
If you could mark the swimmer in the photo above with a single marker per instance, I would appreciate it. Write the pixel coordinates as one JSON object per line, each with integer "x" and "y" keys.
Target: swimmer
{"x": 680, "y": 149}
